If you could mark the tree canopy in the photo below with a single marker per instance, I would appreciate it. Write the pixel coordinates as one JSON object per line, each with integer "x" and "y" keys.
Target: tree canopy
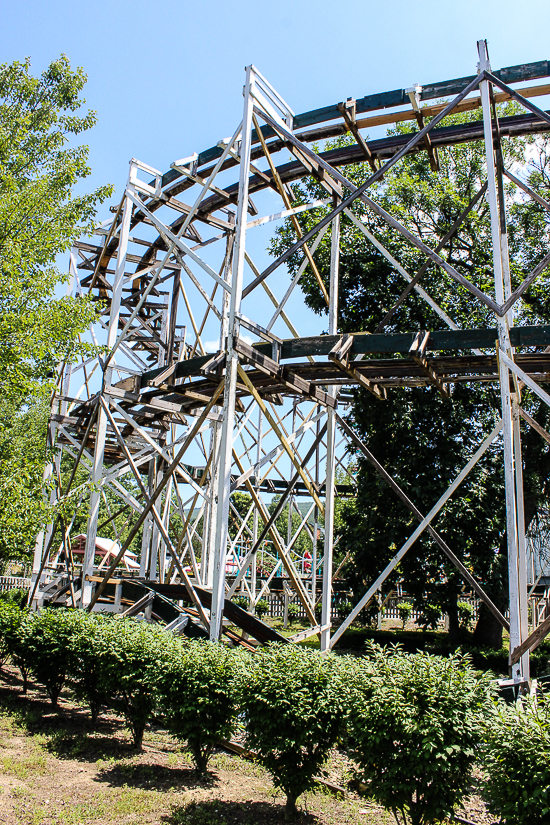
{"x": 41, "y": 166}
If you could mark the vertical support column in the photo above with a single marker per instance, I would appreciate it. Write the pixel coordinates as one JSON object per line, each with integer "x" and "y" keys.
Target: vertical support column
{"x": 44, "y": 536}
{"x": 171, "y": 335}
{"x": 210, "y": 520}
{"x": 166, "y": 522}
{"x": 101, "y": 427}
{"x": 155, "y": 538}
{"x": 326, "y": 601}
{"x": 232, "y": 363}
{"x": 504, "y": 376}
{"x": 209, "y": 532}
{"x": 522, "y": 552}
{"x": 315, "y": 523}
{"x": 254, "y": 562}
{"x": 147, "y": 525}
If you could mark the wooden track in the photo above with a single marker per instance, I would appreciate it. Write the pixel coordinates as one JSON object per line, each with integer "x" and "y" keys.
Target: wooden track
{"x": 451, "y": 360}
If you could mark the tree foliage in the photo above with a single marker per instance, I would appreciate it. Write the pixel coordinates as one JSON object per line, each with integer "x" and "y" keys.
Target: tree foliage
{"x": 41, "y": 164}
{"x": 40, "y": 217}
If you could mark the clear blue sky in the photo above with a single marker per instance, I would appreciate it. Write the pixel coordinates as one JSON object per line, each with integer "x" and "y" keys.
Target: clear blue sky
{"x": 165, "y": 77}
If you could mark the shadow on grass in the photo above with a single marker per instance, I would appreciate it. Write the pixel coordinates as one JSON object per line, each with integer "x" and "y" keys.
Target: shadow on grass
{"x": 89, "y": 747}
{"x": 35, "y": 714}
{"x": 155, "y": 777}
{"x": 218, "y": 812}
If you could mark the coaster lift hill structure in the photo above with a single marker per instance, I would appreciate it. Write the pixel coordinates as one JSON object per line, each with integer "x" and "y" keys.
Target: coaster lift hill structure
{"x": 156, "y": 399}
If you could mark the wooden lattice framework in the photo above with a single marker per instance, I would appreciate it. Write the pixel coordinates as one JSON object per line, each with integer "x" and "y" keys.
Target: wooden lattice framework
{"x": 161, "y": 409}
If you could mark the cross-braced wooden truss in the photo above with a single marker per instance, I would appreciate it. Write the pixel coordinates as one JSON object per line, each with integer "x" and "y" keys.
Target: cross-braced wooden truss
{"x": 263, "y": 412}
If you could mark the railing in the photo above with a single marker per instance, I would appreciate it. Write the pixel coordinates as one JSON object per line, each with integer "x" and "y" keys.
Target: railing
{"x": 342, "y": 608}
{"x": 14, "y": 583}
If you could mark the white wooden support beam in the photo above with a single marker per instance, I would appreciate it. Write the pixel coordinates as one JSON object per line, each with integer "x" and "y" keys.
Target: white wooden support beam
{"x": 504, "y": 344}
{"x": 326, "y": 600}
{"x": 101, "y": 427}
{"x": 232, "y": 363}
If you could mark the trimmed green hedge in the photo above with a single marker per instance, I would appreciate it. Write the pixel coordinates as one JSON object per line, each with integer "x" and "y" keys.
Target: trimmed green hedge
{"x": 292, "y": 705}
{"x": 517, "y": 760}
{"x": 414, "y": 723}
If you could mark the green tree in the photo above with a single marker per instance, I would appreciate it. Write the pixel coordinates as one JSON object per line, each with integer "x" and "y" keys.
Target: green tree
{"x": 40, "y": 217}
{"x": 422, "y": 439}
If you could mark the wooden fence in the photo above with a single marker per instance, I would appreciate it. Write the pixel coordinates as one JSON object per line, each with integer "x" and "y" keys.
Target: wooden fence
{"x": 341, "y": 608}
{"x": 14, "y": 583}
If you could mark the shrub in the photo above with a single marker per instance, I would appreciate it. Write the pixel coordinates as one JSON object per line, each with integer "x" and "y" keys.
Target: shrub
{"x": 465, "y": 614}
{"x": 294, "y": 610}
{"x": 262, "y": 607}
{"x": 87, "y": 673}
{"x": 413, "y": 726}
{"x": 293, "y": 714}
{"x": 518, "y": 762}
{"x": 131, "y": 654}
{"x": 12, "y": 631}
{"x": 241, "y": 601}
{"x": 17, "y": 596}
{"x": 46, "y": 647}
{"x": 405, "y": 609}
{"x": 6, "y": 611}
{"x": 196, "y": 696}
{"x": 430, "y": 616}
{"x": 345, "y": 607}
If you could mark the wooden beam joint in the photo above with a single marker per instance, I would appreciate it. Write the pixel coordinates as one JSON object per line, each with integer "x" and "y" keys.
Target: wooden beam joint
{"x": 283, "y": 374}
{"x": 339, "y": 355}
{"x": 418, "y": 354}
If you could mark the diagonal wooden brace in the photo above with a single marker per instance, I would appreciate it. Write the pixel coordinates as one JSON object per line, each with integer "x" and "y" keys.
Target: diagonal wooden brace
{"x": 275, "y": 370}
{"x": 215, "y": 365}
{"x": 418, "y": 354}
{"x": 432, "y": 154}
{"x": 339, "y": 355}
{"x": 348, "y": 110}
{"x": 531, "y": 642}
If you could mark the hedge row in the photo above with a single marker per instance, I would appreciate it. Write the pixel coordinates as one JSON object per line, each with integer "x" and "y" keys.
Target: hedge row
{"x": 414, "y": 724}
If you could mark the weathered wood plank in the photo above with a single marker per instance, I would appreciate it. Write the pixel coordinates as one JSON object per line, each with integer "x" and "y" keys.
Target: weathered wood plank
{"x": 440, "y": 340}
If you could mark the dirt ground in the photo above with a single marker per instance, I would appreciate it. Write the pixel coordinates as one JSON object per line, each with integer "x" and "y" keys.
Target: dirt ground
{"x": 55, "y": 770}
